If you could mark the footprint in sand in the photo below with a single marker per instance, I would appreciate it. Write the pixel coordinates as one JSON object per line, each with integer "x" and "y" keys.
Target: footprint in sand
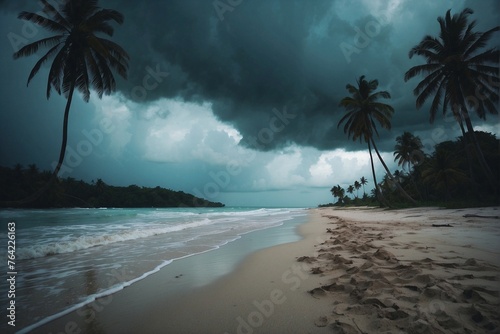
{"x": 321, "y": 321}
{"x": 343, "y": 328}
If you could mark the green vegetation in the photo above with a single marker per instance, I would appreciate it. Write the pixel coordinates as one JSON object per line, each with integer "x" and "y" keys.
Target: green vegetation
{"x": 441, "y": 178}
{"x": 17, "y": 183}
{"x": 462, "y": 78}
{"x": 80, "y": 59}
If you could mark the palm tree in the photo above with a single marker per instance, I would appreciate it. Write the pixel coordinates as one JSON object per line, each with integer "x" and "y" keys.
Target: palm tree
{"x": 338, "y": 191}
{"x": 408, "y": 150}
{"x": 81, "y": 59}
{"x": 362, "y": 112}
{"x": 363, "y": 181}
{"x": 357, "y": 185}
{"x": 459, "y": 73}
{"x": 335, "y": 191}
{"x": 341, "y": 194}
{"x": 350, "y": 189}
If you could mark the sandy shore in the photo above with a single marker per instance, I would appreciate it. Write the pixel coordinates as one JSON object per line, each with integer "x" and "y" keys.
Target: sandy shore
{"x": 354, "y": 271}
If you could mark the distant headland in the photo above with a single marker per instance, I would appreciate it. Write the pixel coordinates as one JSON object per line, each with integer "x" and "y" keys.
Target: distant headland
{"x": 18, "y": 183}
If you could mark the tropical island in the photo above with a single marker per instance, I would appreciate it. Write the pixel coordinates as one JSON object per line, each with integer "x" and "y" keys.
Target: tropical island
{"x": 18, "y": 183}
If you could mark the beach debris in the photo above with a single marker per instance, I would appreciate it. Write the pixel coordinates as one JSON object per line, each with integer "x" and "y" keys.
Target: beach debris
{"x": 441, "y": 225}
{"x": 468, "y": 215}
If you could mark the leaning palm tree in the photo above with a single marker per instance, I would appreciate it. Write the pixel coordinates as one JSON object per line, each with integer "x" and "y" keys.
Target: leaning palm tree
{"x": 362, "y": 112}
{"x": 81, "y": 59}
{"x": 459, "y": 74}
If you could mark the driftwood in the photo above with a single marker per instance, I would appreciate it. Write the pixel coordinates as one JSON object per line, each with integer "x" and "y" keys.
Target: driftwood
{"x": 441, "y": 225}
{"x": 479, "y": 216}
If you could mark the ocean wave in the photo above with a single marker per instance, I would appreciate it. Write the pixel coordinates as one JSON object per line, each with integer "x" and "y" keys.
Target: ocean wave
{"x": 104, "y": 238}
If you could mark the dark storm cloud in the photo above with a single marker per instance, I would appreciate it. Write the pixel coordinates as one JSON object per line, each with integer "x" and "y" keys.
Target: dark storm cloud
{"x": 249, "y": 58}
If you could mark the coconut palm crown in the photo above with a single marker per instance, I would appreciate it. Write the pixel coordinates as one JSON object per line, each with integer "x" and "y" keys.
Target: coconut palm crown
{"x": 80, "y": 58}
{"x": 408, "y": 150}
{"x": 459, "y": 73}
{"x": 363, "y": 110}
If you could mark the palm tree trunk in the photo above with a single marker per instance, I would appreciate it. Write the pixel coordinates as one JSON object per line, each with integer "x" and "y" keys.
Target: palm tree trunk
{"x": 378, "y": 194}
{"x": 65, "y": 130}
{"x": 391, "y": 177}
{"x": 49, "y": 183}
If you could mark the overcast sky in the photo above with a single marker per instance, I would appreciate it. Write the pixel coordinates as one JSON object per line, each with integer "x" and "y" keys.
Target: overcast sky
{"x": 232, "y": 100}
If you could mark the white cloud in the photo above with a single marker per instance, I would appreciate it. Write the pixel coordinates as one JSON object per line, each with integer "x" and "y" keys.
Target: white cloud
{"x": 113, "y": 114}
{"x": 172, "y": 131}
{"x": 339, "y": 167}
{"x": 187, "y": 131}
{"x": 284, "y": 169}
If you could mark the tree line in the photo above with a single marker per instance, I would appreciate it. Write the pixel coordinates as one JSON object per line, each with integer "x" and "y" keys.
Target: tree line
{"x": 460, "y": 77}
{"x": 441, "y": 177}
{"x": 19, "y": 182}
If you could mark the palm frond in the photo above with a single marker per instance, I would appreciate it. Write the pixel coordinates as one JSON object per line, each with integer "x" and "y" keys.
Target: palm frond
{"x": 56, "y": 72}
{"x": 481, "y": 41}
{"x": 42, "y": 61}
{"x": 488, "y": 56}
{"x": 43, "y": 22}
{"x": 57, "y": 17}
{"x": 32, "y": 48}
{"x": 428, "y": 80}
{"x": 419, "y": 69}
{"x": 428, "y": 89}
{"x": 104, "y": 15}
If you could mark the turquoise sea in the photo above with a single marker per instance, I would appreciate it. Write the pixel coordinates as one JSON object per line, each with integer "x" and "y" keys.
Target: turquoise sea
{"x": 66, "y": 258}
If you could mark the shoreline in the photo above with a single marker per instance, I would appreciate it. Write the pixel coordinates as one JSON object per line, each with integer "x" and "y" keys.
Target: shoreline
{"x": 174, "y": 279}
{"x": 359, "y": 270}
